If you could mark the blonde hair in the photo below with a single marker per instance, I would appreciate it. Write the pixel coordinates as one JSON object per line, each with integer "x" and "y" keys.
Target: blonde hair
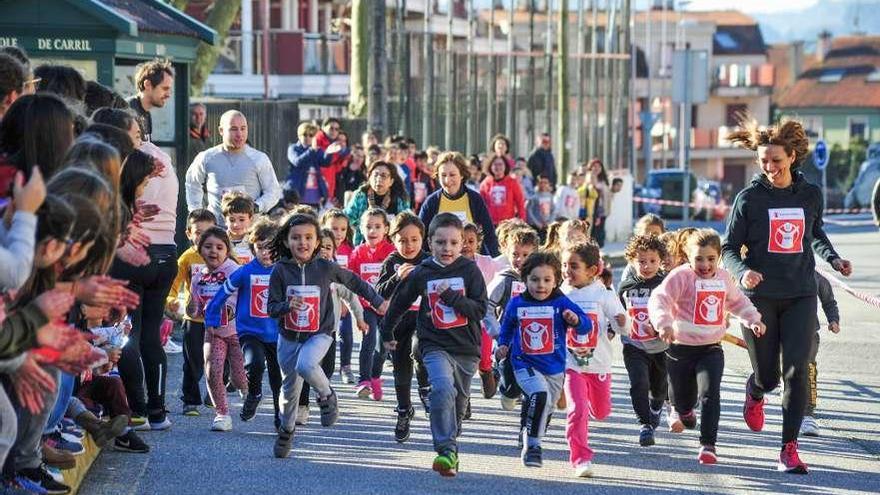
{"x": 789, "y": 134}
{"x": 456, "y": 159}
{"x": 306, "y": 127}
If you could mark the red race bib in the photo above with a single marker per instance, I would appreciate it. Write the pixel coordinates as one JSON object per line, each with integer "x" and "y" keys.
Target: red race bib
{"x": 370, "y": 272}
{"x": 786, "y": 230}
{"x": 445, "y": 317}
{"x": 259, "y": 296}
{"x": 536, "y": 330}
{"x": 641, "y": 324}
{"x": 242, "y": 254}
{"x": 304, "y": 319}
{"x": 420, "y": 192}
{"x": 709, "y": 308}
{"x": 575, "y": 340}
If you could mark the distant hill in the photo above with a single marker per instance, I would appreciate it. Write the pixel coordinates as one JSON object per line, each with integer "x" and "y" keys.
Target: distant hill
{"x": 838, "y": 17}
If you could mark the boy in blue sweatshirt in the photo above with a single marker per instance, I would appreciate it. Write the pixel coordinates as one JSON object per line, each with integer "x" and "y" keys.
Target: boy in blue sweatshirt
{"x": 533, "y": 331}
{"x": 257, "y": 332}
{"x": 453, "y": 302}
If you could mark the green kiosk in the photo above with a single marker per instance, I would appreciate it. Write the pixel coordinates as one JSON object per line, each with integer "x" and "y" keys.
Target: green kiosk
{"x": 105, "y": 40}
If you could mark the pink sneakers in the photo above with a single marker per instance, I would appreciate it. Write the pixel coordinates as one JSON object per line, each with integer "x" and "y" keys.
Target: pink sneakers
{"x": 789, "y": 461}
{"x": 376, "y": 388}
{"x": 707, "y": 455}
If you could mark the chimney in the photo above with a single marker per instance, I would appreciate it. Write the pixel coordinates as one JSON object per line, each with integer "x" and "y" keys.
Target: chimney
{"x": 795, "y": 60}
{"x": 823, "y": 45}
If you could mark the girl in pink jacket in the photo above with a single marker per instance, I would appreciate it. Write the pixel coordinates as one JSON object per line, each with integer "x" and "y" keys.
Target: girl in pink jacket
{"x": 688, "y": 309}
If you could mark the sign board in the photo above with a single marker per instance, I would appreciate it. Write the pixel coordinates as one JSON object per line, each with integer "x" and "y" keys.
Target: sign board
{"x": 820, "y": 155}
{"x": 690, "y": 76}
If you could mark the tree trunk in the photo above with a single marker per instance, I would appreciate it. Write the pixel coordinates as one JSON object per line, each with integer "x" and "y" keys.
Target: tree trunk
{"x": 471, "y": 72}
{"x": 593, "y": 148}
{"x": 530, "y": 77}
{"x": 428, "y": 91}
{"x": 450, "y": 78}
{"x": 220, "y": 19}
{"x": 562, "y": 89}
{"x": 548, "y": 74}
{"x": 360, "y": 42}
{"x": 492, "y": 80}
{"x": 509, "y": 129}
{"x": 580, "y": 111}
{"x": 377, "y": 106}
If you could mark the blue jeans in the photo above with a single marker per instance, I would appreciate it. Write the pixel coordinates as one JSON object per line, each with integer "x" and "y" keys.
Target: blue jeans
{"x": 346, "y": 340}
{"x": 65, "y": 392}
{"x": 450, "y": 377}
{"x": 372, "y": 353}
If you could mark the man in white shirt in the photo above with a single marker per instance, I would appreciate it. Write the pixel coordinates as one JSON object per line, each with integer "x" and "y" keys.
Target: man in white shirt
{"x": 231, "y": 166}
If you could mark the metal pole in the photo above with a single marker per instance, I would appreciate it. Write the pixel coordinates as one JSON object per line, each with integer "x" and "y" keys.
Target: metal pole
{"x": 450, "y": 75}
{"x": 491, "y": 97}
{"x": 548, "y": 67}
{"x": 648, "y": 111}
{"x": 609, "y": 48}
{"x": 579, "y": 114}
{"x": 684, "y": 141}
{"x": 403, "y": 71}
{"x": 562, "y": 90}
{"x": 594, "y": 82}
{"x": 471, "y": 74}
{"x": 511, "y": 79}
{"x": 530, "y": 78}
{"x": 427, "y": 97}
{"x": 264, "y": 21}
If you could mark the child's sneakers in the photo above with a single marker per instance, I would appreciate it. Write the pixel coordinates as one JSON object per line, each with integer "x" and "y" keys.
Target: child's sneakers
{"x": 655, "y": 417}
{"x": 646, "y": 436}
{"x": 302, "y": 415}
{"x": 532, "y": 457}
{"x": 329, "y": 409}
{"x": 191, "y": 410}
{"x": 376, "y": 388}
{"x": 689, "y": 420}
{"x": 789, "y": 461}
{"x": 707, "y": 455}
{"x": 401, "y": 430}
{"x": 446, "y": 464}
{"x": 222, "y": 422}
{"x": 753, "y": 411}
{"x": 507, "y": 403}
{"x": 283, "y": 442}
{"x": 249, "y": 408}
{"x": 363, "y": 390}
{"x": 130, "y": 442}
{"x": 584, "y": 470}
{"x": 346, "y": 374}
{"x": 809, "y": 427}
{"x": 674, "y": 420}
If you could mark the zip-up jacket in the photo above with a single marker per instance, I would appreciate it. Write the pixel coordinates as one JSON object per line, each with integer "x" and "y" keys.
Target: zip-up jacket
{"x": 311, "y": 281}
{"x": 447, "y": 321}
{"x": 504, "y": 286}
{"x": 204, "y": 285}
{"x": 504, "y": 198}
{"x": 634, "y": 292}
{"x": 781, "y": 227}
{"x": 366, "y": 262}
{"x": 388, "y": 282}
{"x": 601, "y": 306}
{"x": 536, "y": 333}
{"x": 478, "y": 212}
{"x": 251, "y": 282}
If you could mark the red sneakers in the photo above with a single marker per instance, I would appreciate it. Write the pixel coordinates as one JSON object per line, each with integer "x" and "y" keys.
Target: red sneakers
{"x": 707, "y": 455}
{"x": 789, "y": 461}
{"x": 376, "y": 388}
{"x": 753, "y": 412}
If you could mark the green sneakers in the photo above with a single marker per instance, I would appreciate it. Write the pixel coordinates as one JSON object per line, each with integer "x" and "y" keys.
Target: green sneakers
{"x": 446, "y": 464}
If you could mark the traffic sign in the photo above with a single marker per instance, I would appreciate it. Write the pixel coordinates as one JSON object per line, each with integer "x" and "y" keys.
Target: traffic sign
{"x": 820, "y": 155}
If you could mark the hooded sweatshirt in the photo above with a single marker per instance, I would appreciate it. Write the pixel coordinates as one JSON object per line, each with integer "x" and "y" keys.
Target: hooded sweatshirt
{"x": 311, "y": 281}
{"x": 781, "y": 227}
{"x": 634, "y": 292}
{"x": 251, "y": 283}
{"x": 388, "y": 282}
{"x": 694, "y": 307}
{"x": 447, "y": 321}
{"x": 536, "y": 333}
{"x": 504, "y": 198}
{"x": 366, "y": 262}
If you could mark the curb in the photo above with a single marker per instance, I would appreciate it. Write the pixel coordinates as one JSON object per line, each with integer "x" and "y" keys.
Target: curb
{"x": 75, "y": 476}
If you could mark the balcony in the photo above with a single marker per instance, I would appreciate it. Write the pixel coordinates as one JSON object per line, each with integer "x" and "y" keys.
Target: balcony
{"x": 739, "y": 80}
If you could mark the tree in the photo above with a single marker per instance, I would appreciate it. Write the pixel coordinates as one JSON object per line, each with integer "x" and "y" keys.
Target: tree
{"x": 562, "y": 88}
{"x": 360, "y": 42}
{"x": 223, "y": 13}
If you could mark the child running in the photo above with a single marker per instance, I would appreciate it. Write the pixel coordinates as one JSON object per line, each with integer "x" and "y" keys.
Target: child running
{"x": 534, "y": 332}
{"x": 473, "y": 243}
{"x": 688, "y": 310}
{"x": 299, "y": 297}
{"x": 453, "y": 302}
{"x": 407, "y": 232}
{"x": 257, "y": 333}
{"x": 336, "y": 220}
{"x": 366, "y": 261}
{"x": 238, "y": 215}
{"x": 221, "y": 340}
{"x": 644, "y": 354}
{"x": 588, "y": 367}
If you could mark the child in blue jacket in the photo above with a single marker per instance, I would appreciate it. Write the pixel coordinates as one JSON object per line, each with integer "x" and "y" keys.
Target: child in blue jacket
{"x": 534, "y": 331}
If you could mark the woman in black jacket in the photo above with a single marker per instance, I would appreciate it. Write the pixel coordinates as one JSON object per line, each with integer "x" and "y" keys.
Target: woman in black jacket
{"x": 778, "y": 220}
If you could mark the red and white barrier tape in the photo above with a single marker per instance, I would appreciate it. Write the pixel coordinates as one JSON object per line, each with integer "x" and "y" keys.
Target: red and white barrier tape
{"x": 671, "y": 202}
{"x": 862, "y": 296}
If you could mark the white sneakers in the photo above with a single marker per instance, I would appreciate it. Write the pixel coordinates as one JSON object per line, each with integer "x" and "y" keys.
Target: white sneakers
{"x": 302, "y": 415}
{"x": 222, "y": 422}
{"x": 172, "y": 347}
{"x": 809, "y": 427}
{"x": 507, "y": 403}
{"x": 584, "y": 470}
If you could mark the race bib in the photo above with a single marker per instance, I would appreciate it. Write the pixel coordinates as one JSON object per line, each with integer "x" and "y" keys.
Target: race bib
{"x": 304, "y": 319}
{"x": 420, "y": 191}
{"x": 641, "y": 324}
{"x": 370, "y": 272}
{"x": 709, "y": 308}
{"x": 259, "y": 296}
{"x": 569, "y": 201}
{"x": 498, "y": 195}
{"x": 536, "y": 330}
{"x": 575, "y": 340}
{"x": 445, "y": 317}
{"x": 517, "y": 288}
{"x": 342, "y": 260}
{"x": 460, "y": 214}
{"x": 242, "y": 253}
{"x": 545, "y": 206}
{"x": 786, "y": 230}
{"x": 312, "y": 179}
{"x": 206, "y": 288}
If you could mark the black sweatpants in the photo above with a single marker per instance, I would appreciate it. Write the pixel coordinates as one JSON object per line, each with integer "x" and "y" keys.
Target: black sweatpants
{"x": 695, "y": 374}
{"x": 328, "y": 364}
{"x": 193, "y": 362}
{"x": 791, "y": 327}
{"x": 647, "y": 381}
{"x": 403, "y": 357}
{"x": 258, "y": 357}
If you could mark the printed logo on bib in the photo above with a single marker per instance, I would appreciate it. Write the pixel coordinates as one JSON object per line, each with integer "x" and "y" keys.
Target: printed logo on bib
{"x": 443, "y": 316}
{"x": 709, "y": 308}
{"x": 460, "y": 214}
{"x": 498, "y": 195}
{"x": 569, "y": 201}
{"x": 242, "y": 253}
{"x": 208, "y": 285}
{"x": 370, "y": 272}
{"x": 786, "y": 230}
{"x": 312, "y": 179}
{"x": 259, "y": 296}
{"x": 305, "y": 318}
{"x": 575, "y": 340}
{"x": 517, "y": 288}
{"x": 536, "y": 330}
{"x": 545, "y": 206}
{"x": 342, "y": 260}
{"x": 420, "y": 191}
{"x": 641, "y": 325}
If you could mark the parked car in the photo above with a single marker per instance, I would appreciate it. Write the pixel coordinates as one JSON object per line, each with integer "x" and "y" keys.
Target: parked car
{"x": 665, "y": 184}
{"x": 859, "y": 196}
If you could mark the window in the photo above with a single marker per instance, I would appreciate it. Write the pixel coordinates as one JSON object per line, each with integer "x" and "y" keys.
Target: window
{"x": 726, "y": 41}
{"x": 832, "y": 75}
{"x": 813, "y": 125}
{"x": 733, "y": 112}
{"x": 874, "y": 76}
{"x": 858, "y": 128}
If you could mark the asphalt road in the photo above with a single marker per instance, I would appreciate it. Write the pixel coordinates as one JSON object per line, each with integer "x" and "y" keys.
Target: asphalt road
{"x": 359, "y": 454}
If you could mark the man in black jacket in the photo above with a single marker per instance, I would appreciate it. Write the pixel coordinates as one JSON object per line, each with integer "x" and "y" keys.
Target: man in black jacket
{"x": 154, "y": 81}
{"x": 541, "y": 161}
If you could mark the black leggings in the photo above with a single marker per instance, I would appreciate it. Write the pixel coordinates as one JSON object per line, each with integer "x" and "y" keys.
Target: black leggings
{"x": 328, "y": 364}
{"x": 258, "y": 357}
{"x": 193, "y": 362}
{"x": 143, "y": 360}
{"x": 647, "y": 378}
{"x": 695, "y": 374}
{"x": 407, "y": 351}
{"x": 791, "y": 327}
